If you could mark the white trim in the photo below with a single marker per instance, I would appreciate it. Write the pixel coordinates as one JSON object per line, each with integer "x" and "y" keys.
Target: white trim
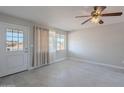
{"x": 96, "y": 63}
{"x": 58, "y": 60}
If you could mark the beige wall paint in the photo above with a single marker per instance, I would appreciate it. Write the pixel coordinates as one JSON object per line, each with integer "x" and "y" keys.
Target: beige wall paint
{"x": 103, "y": 44}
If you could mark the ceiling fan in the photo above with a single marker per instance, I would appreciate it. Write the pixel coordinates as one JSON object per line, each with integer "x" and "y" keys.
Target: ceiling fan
{"x": 96, "y": 14}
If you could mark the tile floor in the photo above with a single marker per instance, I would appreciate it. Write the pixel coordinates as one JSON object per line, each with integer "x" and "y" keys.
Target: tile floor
{"x": 67, "y": 73}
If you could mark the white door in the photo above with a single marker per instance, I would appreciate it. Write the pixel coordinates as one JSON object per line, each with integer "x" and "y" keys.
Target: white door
{"x": 13, "y": 48}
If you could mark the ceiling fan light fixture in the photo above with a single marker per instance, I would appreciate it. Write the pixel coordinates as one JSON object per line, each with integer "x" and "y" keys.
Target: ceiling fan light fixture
{"x": 96, "y": 14}
{"x": 95, "y": 20}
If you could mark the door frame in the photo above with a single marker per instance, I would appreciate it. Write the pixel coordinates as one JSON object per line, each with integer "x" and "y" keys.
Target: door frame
{"x": 27, "y": 29}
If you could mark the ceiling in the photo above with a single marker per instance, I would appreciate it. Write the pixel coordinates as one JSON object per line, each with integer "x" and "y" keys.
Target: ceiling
{"x": 62, "y": 17}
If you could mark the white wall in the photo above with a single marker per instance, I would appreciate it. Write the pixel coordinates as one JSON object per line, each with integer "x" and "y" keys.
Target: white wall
{"x": 101, "y": 44}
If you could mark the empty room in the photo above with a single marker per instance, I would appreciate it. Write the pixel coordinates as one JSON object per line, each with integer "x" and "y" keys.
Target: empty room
{"x": 61, "y": 46}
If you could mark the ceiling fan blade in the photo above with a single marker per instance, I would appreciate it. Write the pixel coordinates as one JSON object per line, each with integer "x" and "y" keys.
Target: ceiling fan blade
{"x": 82, "y": 16}
{"x": 112, "y": 14}
{"x": 86, "y": 21}
{"x": 99, "y": 8}
{"x": 101, "y": 22}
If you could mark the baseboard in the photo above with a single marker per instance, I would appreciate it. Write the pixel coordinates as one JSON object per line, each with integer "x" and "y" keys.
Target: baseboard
{"x": 97, "y": 63}
{"x": 58, "y": 60}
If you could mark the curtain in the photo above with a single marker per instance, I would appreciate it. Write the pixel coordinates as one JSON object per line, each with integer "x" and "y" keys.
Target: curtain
{"x": 41, "y": 46}
{"x": 52, "y": 46}
{"x": 53, "y": 53}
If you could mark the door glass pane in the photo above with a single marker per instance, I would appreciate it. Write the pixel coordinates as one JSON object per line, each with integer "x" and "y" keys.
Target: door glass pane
{"x": 9, "y": 46}
{"x": 21, "y": 34}
{"x": 14, "y": 40}
{"x": 21, "y": 44}
{"x": 9, "y": 40}
{"x": 15, "y": 33}
{"x": 15, "y": 43}
{"x": 9, "y": 34}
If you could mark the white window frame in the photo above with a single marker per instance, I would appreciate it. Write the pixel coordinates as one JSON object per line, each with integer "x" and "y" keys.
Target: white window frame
{"x": 64, "y": 46}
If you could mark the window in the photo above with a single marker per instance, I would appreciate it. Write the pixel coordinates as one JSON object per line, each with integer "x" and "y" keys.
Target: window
{"x": 14, "y": 40}
{"x": 60, "y": 42}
